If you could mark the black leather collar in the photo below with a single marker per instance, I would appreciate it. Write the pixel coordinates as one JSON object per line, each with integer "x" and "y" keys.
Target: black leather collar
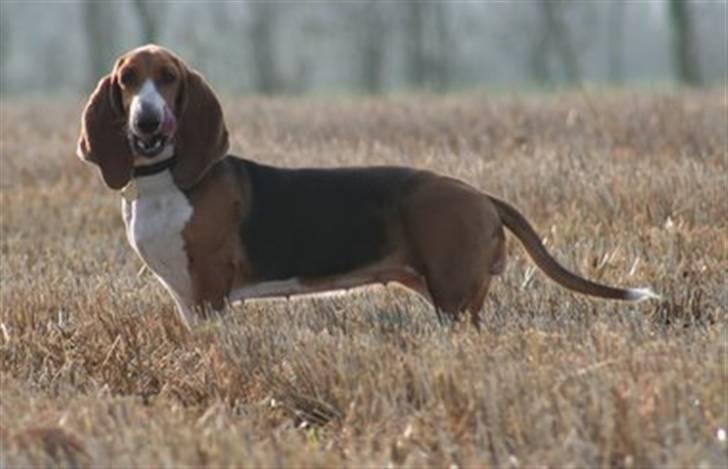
{"x": 156, "y": 168}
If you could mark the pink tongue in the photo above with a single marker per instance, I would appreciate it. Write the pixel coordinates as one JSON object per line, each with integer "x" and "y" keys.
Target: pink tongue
{"x": 169, "y": 124}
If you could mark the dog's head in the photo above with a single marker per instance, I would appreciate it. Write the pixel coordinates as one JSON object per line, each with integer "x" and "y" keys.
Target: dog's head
{"x": 150, "y": 102}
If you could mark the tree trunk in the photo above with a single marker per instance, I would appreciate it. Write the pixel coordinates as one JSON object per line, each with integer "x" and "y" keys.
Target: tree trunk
{"x": 98, "y": 23}
{"x": 267, "y": 78}
{"x": 558, "y": 36}
{"x": 149, "y": 15}
{"x": 415, "y": 47}
{"x": 371, "y": 48}
{"x": 685, "y": 45}
{"x": 4, "y": 53}
{"x": 615, "y": 41}
{"x": 442, "y": 65}
{"x": 538, "y": 54}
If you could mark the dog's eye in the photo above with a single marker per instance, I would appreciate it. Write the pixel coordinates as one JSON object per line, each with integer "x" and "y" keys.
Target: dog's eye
{"x": 167, "y": 77}
{"x": 128, "y": 78}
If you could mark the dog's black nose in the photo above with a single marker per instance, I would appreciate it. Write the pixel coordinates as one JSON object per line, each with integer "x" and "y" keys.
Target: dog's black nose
{"x": 148, "y": 124}
{"x": 147, "y": 121}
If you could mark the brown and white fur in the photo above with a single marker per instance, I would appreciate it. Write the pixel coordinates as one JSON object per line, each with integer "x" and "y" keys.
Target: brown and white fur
{"x": 215, "y": 228}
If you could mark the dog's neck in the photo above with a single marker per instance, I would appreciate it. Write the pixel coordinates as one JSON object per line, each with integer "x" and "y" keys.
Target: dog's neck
{"x": 158, "y": 184}
{"x": 167, "y": 152}
{"x": 146, "y": 167}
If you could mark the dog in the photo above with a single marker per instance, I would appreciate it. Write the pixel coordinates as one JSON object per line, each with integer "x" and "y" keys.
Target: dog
{"x": 215, "y": 228}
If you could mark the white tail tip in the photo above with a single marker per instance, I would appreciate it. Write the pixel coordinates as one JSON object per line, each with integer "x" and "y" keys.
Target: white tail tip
{"x": 640, "y": 294}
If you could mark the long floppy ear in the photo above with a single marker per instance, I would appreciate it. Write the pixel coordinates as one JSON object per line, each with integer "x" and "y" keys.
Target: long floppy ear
{"x": 202, "y": 138}
{"x": 102, "y": 140}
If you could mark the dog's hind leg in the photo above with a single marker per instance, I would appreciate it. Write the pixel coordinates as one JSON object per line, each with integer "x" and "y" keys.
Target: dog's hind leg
{"x": 476, "y": 303}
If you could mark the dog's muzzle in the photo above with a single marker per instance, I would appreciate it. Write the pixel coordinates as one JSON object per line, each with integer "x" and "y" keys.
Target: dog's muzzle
{"x": 151, "y": 122}
{"x": 150, "y": 132}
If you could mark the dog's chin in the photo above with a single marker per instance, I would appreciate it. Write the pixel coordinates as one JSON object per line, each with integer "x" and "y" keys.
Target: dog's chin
{"x": 148, "y": 147}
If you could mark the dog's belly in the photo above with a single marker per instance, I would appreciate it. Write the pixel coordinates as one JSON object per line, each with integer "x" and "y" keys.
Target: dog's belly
{"x": 155, "y": 222}
{"x": 390, "y": 270}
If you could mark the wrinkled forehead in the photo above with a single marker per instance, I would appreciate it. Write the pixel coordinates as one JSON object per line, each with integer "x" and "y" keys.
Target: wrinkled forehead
{"x": 148, "y": 62}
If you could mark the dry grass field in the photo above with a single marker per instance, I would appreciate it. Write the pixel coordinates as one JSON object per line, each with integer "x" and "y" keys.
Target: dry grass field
{"x": 625, "y": 187}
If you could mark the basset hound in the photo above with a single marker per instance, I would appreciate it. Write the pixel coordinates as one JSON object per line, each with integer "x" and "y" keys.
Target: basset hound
{"x": 215, "y": 228}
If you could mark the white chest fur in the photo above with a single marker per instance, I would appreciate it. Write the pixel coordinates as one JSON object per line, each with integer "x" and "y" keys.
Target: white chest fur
{"x": 154, "y": 225}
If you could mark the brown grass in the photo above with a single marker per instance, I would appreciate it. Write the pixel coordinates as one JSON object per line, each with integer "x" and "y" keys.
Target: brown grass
{"x": 627, "y": 188}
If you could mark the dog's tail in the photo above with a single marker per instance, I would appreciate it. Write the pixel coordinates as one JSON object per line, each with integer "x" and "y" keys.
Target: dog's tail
{"x": 523, "y": 230}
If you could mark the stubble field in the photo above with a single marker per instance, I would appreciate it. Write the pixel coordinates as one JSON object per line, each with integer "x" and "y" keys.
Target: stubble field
{"x": 627, "y": 188}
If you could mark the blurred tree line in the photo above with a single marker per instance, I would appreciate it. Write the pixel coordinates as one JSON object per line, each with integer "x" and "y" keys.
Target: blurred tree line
{"x": 370, "y": 46}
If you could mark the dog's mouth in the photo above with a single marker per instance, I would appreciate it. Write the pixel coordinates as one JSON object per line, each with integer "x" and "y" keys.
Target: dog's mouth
{"x": 149, "y": 146}
{"x": 151, "y": 142}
